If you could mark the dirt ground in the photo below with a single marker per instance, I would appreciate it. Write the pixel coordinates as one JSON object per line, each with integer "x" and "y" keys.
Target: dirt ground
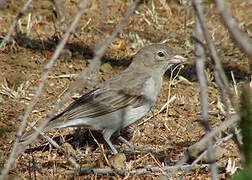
{"x": 169, "y": 133}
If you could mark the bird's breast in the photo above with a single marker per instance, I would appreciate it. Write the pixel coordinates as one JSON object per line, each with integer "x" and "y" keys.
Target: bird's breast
{"x": 151, "y": 89}
{"x": 133, "y": 114}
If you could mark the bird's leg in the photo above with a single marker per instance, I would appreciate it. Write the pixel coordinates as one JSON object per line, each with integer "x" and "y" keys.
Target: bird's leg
{"x": 111, "y": 146}
{"x": 107, "y": 135}
{"x": 123, "y": 140}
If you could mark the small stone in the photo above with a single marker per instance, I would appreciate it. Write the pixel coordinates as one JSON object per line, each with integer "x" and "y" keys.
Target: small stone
{"x": 69, "y": 149}
{"x": 118, "y": 161}
{"x": 106, "y": 68}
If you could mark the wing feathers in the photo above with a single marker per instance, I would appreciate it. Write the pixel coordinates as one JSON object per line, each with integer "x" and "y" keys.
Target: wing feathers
{"x": 97, "y": 103}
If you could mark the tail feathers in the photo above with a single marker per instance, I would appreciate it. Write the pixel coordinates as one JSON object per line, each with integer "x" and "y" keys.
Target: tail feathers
{"x": 56, "y": 123}
{"x": 50, "y": 126}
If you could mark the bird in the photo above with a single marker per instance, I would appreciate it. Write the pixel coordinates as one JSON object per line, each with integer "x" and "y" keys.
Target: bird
{"x": 121, "y": 100}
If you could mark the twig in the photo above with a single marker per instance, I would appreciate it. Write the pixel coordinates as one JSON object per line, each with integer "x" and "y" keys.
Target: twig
{"x": 234, "y": 84}
{"x": 101, "y": 148}
{"x": 199, "y": 146}
{"x": 223, "y": 140}
{"x": 63, "y": 76}
{"x": 34, "y": 163}
{"x": 99, "y": 52}
{"x": 137, "y": 171}
{"x": 20, "y": 14}
{"x": 169, "y": 88}
{"x": 239, "y": 37}
{"x": 52, "y": 142}
{"x": 17, "y": 148}
{"x": 161, "y": 110}
{"x": 200, "y": 63}
{"x": 220, "y": 76}
{"x": 215, "y": 58}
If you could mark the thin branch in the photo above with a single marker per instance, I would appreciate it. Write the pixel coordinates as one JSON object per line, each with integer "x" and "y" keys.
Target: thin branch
{"x": 31, "y": 161}
{"x": 99, "y": 52}
{"x": 200, "y": 65}
{"x": 214, "y": 57}
{"x": 15, "y": 21}
{"x": 18, "y": 148}
{"x": 203, "y": 154}
{"x": 169, "y": 88}
{"x": 137, "y": 171}
{"x": 52, "y": 142}
{"x": 239, "y": 37}
{"x": 220, "y": 76}
{"x": 200, "y": 146}
{"x": 222, "y": 141}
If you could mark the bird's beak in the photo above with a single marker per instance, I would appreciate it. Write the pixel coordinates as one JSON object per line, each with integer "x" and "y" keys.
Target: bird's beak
{"x": 177, "y": 60}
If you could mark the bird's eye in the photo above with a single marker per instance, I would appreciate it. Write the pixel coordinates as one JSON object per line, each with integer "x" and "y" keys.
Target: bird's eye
{"x": 161, "y": 54}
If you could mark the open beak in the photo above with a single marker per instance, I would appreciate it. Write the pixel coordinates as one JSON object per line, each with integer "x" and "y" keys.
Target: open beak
{"x": 178, "y": 60}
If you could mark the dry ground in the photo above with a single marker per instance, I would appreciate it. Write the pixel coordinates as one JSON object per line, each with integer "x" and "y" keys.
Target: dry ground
{"x": 169, "y": 133}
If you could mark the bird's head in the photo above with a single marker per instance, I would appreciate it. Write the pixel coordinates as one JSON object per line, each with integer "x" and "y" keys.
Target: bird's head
{"x": 158, "y": 56}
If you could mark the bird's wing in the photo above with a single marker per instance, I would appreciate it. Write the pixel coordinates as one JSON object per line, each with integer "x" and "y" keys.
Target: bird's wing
{"x": 111, "y": 96}
{"x": 104, "y": 100}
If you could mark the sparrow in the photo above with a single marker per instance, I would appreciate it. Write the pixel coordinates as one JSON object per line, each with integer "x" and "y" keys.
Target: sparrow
{"x": 121, "y": 100}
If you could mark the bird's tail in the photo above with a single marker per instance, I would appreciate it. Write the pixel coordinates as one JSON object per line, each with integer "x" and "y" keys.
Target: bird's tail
{"x": 54, "y": 123}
